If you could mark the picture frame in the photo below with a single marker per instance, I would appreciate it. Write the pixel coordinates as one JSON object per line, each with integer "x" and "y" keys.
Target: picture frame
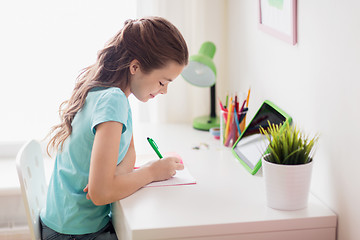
{"x": 279, "y": 18}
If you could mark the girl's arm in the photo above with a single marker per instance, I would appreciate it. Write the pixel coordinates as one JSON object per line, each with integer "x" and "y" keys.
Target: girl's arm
{"x": 106, "y": 185}
{"x": 128, "y": 162}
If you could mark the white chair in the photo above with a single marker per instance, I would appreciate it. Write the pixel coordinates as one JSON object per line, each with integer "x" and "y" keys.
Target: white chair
{"x": 30, "y": 168}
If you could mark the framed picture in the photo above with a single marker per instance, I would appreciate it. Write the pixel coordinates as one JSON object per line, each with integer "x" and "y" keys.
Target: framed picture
{"x": 279, "y": 18}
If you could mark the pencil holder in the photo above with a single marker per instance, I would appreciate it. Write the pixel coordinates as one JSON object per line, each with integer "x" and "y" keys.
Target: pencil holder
{"x": 230, "y": 127}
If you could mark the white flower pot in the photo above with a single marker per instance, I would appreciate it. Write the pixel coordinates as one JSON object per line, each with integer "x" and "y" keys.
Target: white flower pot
{"x": 287, "y": 186}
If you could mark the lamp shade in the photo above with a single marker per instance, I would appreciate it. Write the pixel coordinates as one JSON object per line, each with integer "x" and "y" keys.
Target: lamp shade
{"x": 201, "y": 70}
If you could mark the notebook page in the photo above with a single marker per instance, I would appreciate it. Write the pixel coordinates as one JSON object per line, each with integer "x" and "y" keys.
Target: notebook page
{"x": 182, "y": 177}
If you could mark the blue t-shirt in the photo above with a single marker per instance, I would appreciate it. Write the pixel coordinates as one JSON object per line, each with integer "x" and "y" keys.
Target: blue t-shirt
{"x": 67, "y": 209}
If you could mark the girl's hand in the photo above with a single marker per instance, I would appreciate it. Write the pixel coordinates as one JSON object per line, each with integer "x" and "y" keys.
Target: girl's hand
{"x": 86, "y": 189}
{"x": 165, "y": 168}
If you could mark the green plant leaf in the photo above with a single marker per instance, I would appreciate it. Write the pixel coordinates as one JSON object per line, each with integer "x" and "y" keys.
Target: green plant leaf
{"x": 290, "y": 156}
{"x": 288, "y": 145}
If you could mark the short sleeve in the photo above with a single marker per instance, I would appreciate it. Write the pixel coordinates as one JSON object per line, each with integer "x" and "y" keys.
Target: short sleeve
{"x": 111, "y": 106}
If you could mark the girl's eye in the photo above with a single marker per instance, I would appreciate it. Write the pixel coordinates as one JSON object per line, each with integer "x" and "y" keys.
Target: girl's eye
{"x": 161, "y": 84}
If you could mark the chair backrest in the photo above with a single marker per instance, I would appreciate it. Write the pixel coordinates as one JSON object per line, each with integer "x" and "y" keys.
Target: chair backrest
{"x": 30, "y": 168}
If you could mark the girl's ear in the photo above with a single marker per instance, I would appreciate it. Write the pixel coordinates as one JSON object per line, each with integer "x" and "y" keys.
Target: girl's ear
{"x": 134, "y": 66}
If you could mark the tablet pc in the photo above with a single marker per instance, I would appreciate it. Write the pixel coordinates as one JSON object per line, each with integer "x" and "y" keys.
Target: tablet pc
{"x": 251, "y": 144}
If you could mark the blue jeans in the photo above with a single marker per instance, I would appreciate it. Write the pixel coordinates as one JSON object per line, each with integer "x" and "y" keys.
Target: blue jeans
{"x": 106, "y": 233}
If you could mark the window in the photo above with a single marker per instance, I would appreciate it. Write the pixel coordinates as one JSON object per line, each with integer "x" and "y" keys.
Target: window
{"x": 44, "y": 46}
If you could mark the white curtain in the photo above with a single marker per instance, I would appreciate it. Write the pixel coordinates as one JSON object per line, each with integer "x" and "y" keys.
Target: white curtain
{"x": 198, "y": 21}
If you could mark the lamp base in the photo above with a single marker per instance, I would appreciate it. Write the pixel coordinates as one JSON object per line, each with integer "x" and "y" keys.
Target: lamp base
{"x": 206, "y": 122}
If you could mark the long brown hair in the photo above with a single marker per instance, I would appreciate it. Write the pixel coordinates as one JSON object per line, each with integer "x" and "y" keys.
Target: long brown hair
{"x": 153, "y": 41}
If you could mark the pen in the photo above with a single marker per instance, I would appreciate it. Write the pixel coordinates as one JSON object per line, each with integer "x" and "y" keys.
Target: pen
{"x": 230, "y": 112}
{"x": 226, "y": 101}
{"x": 221, "y": 106}
{"x": 247, "y": 98}
{"x": 242, "y": 107}
{"x": 154, "y": 146}
{"x": 236, "y": 103}
{"x": 237, "y": 121}
{"x": 247, "y": 104}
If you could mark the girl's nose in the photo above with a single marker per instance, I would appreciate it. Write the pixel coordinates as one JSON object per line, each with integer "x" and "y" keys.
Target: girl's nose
{"x": 163, "y": 90}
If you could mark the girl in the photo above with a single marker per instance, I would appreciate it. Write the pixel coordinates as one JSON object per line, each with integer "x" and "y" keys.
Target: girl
{"x": 96, "y": 155}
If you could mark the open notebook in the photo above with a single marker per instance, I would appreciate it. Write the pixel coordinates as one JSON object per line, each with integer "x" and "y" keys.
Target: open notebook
{"x": 182, "y": 177}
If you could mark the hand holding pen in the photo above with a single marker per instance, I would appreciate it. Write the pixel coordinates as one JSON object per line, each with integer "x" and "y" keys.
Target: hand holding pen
{"x": 164, "y": 168}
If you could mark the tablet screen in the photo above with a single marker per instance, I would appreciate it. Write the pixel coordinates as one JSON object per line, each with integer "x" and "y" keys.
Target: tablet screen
{"x": 251, "y": 145}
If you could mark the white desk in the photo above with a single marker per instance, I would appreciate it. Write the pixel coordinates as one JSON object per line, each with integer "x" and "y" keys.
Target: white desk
{"x": 226, "y": 203}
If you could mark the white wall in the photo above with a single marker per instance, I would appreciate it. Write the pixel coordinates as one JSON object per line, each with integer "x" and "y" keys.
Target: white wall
{"x": 317, "y": 82}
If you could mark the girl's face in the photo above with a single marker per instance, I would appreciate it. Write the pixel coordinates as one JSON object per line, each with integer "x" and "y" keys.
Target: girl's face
{"x": 147, "y": 86}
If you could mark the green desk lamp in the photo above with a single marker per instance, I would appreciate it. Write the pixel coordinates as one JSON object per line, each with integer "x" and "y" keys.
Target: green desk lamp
{"x": 201, "y": 72}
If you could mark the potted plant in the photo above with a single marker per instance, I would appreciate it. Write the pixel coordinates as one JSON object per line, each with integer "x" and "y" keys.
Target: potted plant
{"x": 287, "y": 166}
